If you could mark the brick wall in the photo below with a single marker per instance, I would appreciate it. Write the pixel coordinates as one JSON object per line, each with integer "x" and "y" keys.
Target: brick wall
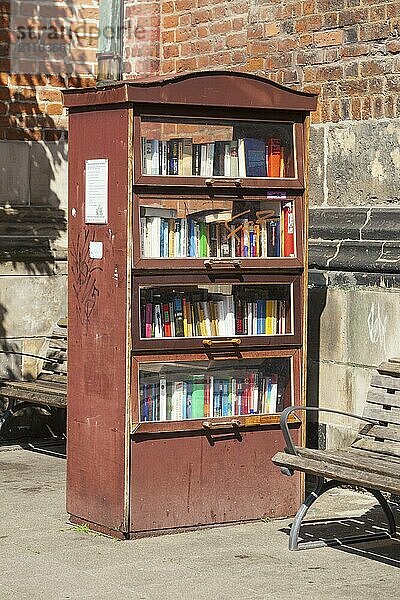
{"x": 346, "y": 50}
{"x": 30, "y": 104}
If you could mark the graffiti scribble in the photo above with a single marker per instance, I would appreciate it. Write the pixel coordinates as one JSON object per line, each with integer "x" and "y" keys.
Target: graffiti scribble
{"x": 84, "y": 278}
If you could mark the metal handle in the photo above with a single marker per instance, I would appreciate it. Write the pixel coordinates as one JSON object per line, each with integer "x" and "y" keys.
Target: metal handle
{"x": 221, "y": 424}
{"x": 224, "y": 181}
{"x": 217, "y": 262}
{"x": 233, "y": 341}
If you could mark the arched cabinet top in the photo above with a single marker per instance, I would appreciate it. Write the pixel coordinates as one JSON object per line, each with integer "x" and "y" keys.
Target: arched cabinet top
{"x": 212, "y": 89}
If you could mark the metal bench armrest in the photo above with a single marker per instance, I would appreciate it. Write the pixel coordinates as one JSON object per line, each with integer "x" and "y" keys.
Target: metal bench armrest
{"x": 290, "y": 447}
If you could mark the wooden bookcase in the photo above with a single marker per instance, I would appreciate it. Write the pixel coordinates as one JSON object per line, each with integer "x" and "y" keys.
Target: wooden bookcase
{"x": 187, "y": 296}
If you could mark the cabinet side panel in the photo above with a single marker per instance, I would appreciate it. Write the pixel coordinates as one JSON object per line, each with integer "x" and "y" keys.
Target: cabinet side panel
{"x": 187, "y": 481}
{"x": 97, "y": 325}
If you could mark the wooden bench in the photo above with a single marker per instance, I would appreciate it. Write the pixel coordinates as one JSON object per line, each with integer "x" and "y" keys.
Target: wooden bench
{"x": 371, "y": 462}
{"x": 50, "y": 387}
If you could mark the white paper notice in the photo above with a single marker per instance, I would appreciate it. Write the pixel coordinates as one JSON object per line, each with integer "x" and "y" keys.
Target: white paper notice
{"x": 96, "y": 191}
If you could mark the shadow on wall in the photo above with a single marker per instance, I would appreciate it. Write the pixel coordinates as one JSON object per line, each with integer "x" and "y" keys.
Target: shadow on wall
{"x": 32, "y": 222}
{"x": 316, "y": 437}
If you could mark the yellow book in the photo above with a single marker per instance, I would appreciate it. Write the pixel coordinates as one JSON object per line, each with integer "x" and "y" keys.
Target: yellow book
{"x": 171, "y": 238}
{"x": 189, "y": 311}
{"x": 268, "y": 317}
{"x": 185, "y": 317}
{"x": 214, "y": 330}
{"x": 202, "y": 320}
{"x": 282, "y": 163}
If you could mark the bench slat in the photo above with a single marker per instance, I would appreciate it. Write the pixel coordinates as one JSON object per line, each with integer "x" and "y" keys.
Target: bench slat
{"x": 353, "y": 460}
{"x": 338, "y": 472}
{"x": 386, "y": 382}
{"x": 25, "y": 394}
{"x": 382, "y": 432}
{"x": 389, "y": 368}
{"x": 377, "y": 396}
{"x": 54, "y": 377}
{"x": 388, "y": 448}
{"x": 378, "y": 456}
{"x": 50, "y": 386}
{"x": 386, "y": 416}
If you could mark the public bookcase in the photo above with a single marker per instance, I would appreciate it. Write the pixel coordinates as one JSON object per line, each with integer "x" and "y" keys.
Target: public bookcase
{"x": 187, "y": 296}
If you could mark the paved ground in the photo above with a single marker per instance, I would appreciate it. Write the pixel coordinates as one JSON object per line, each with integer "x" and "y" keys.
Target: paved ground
{"x": 42, "y": 557}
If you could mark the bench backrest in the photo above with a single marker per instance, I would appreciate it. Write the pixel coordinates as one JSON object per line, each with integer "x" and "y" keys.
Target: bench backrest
{"x": 55, "y": 366}
{"x": 383, "y": 404}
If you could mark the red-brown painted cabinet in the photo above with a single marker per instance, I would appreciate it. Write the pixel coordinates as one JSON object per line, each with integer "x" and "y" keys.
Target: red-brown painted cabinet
{"x": 187, "y": 285}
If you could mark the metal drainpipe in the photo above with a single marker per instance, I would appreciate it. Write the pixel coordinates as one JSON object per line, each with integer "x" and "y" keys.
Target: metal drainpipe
{"x": 109, "y": 56}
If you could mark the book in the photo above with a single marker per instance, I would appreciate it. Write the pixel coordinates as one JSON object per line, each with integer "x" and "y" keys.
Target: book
{"x": 273, "y": 237}
{"x": 274, "y": 157}
{"x": 178, "y": 317}
{"x": 166, "y": 320}
{"x": 163, "y": 399}
{"x": 173, "y": 157}
{"x": 185, "y": 157}
{"x": 288, "y": 229}
{"x": 158, "y": 328}
{"x": 196, "y": 159}
{"x": 254, "y": 150}
{"x": 197, "y": 408}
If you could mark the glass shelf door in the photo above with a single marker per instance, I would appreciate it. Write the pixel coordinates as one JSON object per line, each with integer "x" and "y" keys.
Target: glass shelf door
{"x": 184, "y": 390}
{"x": 219, "y": 232}
{"x": 203, "y": 314}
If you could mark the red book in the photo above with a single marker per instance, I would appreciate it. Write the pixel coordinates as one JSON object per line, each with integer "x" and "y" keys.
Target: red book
{"x": 288, "y": 229}
{"x": 207, "y": 397}
{"x": 274, "y": 157}
{"x": 167, "y": 321}
{"x": 149, "y": 320}
{"x": 239, "y": 317}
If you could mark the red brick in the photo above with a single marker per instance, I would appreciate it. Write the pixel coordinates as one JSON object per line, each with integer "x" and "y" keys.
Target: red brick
{"x": 372, "y": 67}
{"x": 170, "y": 22}
{"x": 393, "y": 46}
{"x": 255, "y": 64}
{"x": 355, "y": 108}
{"x": 374, "y": 31}
{"x": 377, "y": 13}
{"x": 389, "y": 107}
{"x": 272, "y": 29}
{"x": 309, "y": 23}
{"x": 236, "y": 40}
{"x": 309, "y": 7}
{"x": 54, "y": 109}
{"x": 329, "y": 73}
{"x": 329, "y": 38}
{"x": 170, "y": 51}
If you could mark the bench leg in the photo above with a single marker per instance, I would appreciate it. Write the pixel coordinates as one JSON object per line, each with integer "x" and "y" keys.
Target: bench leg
{"x": 8, "y": 412}
{"x": 322, "y": 487}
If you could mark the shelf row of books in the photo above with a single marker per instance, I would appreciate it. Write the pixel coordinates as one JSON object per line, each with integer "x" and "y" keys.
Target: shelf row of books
{"x": 245, "y": 157}
{"x": 208, "y": 396}
{"x": 216, "y": 234}
{"x": 219, "y": 315}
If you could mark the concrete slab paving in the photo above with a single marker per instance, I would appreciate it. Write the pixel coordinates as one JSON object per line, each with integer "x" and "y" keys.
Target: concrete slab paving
{"x": 42, "y": 557}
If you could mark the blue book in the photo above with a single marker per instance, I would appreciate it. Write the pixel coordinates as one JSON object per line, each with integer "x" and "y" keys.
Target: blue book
{"x": 273, "y": 238}
{"x": 225, "y": 398}
{"x": 261, "y": 314}
{"x": 164, "y": 238}
{"x": 192, "y": 240}
{"x": 255, "y": 157}
{"x": 217, "y": 398}
{"x": 189, "y": 389}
